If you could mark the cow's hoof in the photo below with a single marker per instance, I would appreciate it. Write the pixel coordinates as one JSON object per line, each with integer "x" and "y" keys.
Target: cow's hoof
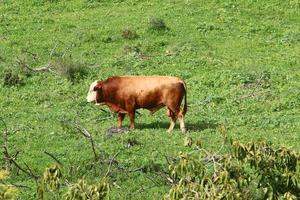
{"x": 169, "y": 131}
{"x": 183, "y": 130}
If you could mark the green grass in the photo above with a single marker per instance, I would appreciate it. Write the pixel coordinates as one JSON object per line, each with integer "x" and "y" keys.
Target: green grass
{"x": 221, "y": 49}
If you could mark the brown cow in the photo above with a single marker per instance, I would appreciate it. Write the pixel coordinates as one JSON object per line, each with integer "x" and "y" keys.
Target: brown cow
{"x": 125, "y": 94}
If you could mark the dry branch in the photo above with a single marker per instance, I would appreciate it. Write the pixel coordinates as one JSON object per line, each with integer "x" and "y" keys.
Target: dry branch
{"x": 18, "y": 185}
{"x": 45, "y": 68}
{"x": 86, "y": 134}
{"x": 110, "y": 163}
{"x": 54, "y": 158}
{"x": 11, "y": 159}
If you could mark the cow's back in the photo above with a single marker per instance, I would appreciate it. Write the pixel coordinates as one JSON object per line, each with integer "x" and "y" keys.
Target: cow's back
{"x": 136, "y": 84}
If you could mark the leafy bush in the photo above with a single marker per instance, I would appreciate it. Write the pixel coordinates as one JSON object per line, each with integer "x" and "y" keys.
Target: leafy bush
{"x": 82, "y": 190}
{"x": 192, "y": 180}
{"x": 276, "y": 169}
{"x": 52, "y": 179}
{"x": 254, "y": 170}
{"x": 49, "y": 183}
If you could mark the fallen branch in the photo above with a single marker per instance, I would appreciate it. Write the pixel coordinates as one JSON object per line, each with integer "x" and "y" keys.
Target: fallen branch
{"x": 253, "y": 92}
{"x": 250, "y": 95}
{"x": 45, "y": 68}
{"x": 30, "y": 174}
{"x": 54, "y": 158}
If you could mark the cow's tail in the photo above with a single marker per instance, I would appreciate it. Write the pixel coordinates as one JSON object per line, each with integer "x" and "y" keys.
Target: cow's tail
{"x": 185, "y": 99}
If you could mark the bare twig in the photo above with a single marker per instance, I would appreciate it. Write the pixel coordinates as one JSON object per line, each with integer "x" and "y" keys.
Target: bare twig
{"x": 31, "y": 172}
{"x": 18, "y": 185}
{"x": 52, "y": 156}
{"x": 86, "y": 134}
{"x": 250, "y": 95}
{"x": 152, "y": 180}
{"x": 135, "y": 170}
{"x": 52, "y": 51}
{"x": 110, "y": 163}
{"x": 15, "y": 156}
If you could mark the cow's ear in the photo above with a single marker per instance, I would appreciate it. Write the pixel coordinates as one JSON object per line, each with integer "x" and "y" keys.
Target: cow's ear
{"x": 98, "y": 87}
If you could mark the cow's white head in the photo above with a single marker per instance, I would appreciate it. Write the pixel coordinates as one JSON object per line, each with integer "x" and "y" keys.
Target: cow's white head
{"x": 92, "y": 94}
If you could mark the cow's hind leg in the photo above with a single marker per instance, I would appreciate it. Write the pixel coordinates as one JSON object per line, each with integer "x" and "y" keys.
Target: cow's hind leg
{"x": 173, "y": 117}
{"x": 120, "y": 119}
{"x": 130, "y": 107}
{"x": 181, "y": 121}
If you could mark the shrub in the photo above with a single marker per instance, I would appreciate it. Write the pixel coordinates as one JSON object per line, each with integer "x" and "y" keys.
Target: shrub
{"x": 276, "y": 169}
{"x": 73, "y": 71}
{"x": 82, "y": 190}
{"x": 129, "y": 34}
{"x": 157, "y": 24}
{"x": 252, "y": 171}
{"x": 12, "y": 78}
{"x": 49, "y": 182}
{"x": 49, "y": 185}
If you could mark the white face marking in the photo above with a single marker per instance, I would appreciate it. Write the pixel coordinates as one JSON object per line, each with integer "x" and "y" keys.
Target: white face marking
{"x": 91, "y": 96}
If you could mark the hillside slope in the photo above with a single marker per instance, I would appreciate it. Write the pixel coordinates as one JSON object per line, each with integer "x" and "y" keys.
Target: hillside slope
{"x": 240, "y": 60}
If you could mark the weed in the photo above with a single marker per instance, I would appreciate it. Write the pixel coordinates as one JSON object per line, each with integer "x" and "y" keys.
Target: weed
{"x": 132, "y": 50}
{"x": 107, "y": 39}
{"x": 157, "y": 24}
{"x": 129, "y": 34}
{"x": 130, "y": 142}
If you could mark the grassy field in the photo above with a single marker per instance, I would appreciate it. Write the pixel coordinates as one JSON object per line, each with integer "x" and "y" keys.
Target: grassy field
{"x": 240, "y": 60}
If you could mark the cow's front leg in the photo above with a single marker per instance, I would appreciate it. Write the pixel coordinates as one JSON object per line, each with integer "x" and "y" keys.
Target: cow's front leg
{"x": 120, "y": 119}
{"x": 131, "y": 118}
